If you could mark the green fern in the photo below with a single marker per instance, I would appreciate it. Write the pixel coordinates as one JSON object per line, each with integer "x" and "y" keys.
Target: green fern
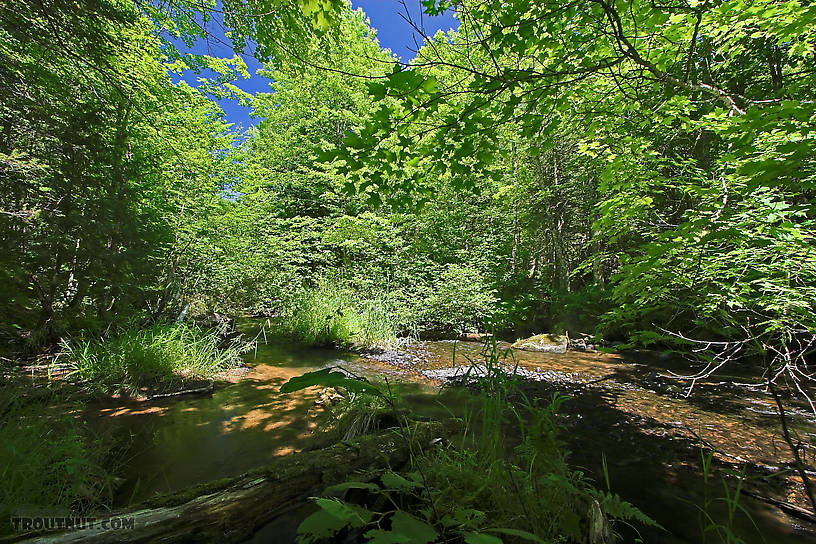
{"x": 617, "y": 508}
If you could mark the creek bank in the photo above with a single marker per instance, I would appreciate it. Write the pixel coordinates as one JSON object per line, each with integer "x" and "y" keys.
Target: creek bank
{"x": 56, "y": 372}
{"x": 50, "y": 380}
{"x": 232, "y": 509}
{"x": 621, "y": 407}
{"x": 646, "y": 434}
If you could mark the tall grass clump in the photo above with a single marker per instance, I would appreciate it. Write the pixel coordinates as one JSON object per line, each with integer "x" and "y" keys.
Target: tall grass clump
{"x": 529, "y": 486}
{"x": 161, "y": 354}
{"x": 333, "y": 314}
{"x": 49, "y": 465}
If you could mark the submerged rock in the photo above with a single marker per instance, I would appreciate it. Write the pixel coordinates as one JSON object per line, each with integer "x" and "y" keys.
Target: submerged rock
{"x": 475, "y": 336}
{"x": 392, "y": 357}
{"x": 467, "y": 375}
{"x": 550, "y": 343}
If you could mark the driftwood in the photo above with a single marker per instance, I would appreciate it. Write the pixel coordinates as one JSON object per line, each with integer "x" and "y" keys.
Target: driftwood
{"x": 194, "y": 391}
{"x": 790, "y": 509}
{"x": 231, "y": 510}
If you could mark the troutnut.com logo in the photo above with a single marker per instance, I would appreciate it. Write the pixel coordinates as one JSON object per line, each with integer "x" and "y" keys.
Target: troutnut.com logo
{"x": 44, "y": 523}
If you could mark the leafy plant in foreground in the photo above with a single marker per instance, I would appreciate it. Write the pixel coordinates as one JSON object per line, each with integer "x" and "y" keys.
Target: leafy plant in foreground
{"x": 527, "y": 494}
{"x": 361, "y": 405}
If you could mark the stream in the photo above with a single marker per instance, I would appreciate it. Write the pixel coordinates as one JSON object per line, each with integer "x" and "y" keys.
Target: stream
{"x": 622, "y": 407}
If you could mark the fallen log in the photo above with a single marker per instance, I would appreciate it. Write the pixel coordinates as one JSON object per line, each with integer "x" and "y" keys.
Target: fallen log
{"x": 209, "y": 388}
{"x": 788, "y": 508}
{"x": 232, "y": 509}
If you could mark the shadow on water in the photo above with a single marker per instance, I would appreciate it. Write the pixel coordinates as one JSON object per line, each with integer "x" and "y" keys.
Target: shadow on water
{"x": 649, "y": 431}
{"x": 659, "y": 471}
{"x": 618, "y": 409}
{"x": 178, "y": 443}
{"x": 649, "y": 465}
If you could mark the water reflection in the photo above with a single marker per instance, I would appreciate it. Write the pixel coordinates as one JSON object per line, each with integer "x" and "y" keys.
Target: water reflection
{"x": 648, "y": 430}
{"x": 178, "y": 443}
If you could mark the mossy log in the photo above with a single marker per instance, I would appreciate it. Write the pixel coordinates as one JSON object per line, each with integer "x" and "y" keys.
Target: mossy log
{"x": 232, "y": 509}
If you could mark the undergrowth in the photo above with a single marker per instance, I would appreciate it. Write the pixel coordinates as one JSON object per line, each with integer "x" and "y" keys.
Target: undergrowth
{"x": 477, "y": 488}
{"x": 357, "y": 414}
{"x": 49, "y": 464}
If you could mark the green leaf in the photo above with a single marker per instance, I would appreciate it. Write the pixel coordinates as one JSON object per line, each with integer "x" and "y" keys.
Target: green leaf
{"x": 377, "y": 90}
{"x": 392, "y": 480}
{"x": 327, "y": 378}
{"x": 617, "y": 508}
{"x": 333, "y": 516}
{"x": 518, "y": 533}
{"x": 481, "y": 538}
{"x": 405, "y": 528}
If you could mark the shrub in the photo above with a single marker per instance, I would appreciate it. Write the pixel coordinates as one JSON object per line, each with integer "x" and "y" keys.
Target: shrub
{"x": 461, "y": 301}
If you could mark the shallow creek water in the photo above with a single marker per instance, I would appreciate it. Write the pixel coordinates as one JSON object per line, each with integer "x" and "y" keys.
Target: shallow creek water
{"x": 622, "y": 407}
{"x": 175, "y": 443}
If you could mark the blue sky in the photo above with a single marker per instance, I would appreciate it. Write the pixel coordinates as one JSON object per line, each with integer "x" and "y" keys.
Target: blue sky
{"x": 393, "y": 32}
